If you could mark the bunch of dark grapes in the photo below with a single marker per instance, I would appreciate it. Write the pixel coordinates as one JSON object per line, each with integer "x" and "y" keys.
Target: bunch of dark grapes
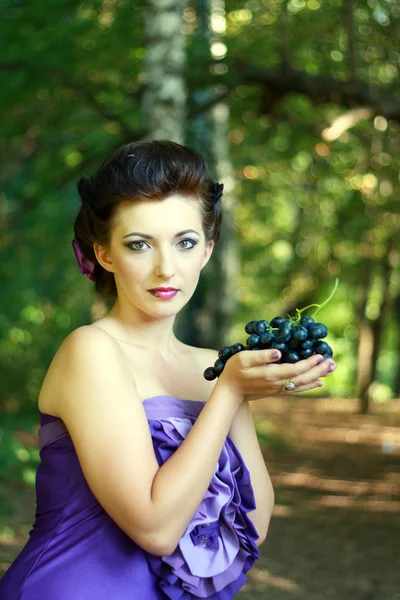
{"x": 297, "y": 338}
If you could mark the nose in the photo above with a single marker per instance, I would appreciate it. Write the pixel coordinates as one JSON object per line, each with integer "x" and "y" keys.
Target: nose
{"x": 164, "y": 265}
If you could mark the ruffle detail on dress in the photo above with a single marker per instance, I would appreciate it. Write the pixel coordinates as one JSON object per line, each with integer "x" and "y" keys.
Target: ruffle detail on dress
{"x": 218, "y": 546}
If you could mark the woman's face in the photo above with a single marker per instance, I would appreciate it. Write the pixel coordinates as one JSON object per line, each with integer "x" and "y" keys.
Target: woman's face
{"x": 166, "y": 260}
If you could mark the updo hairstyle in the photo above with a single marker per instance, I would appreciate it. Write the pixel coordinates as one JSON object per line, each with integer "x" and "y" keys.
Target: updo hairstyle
{"x": 139, "y": 171}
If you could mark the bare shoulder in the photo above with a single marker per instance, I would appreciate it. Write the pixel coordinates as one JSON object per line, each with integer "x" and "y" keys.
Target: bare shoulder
{"x": 85, "y": 340}
{"x": 108, "y": 427}
{"x": 82, "y": 345}
{"x": 88, "y": 334}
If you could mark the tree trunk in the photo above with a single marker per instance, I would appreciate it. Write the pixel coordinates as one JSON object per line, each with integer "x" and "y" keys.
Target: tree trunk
{"x": 380, "y": 322}
{"x": 164, "y": 101}
{"x": 372, "y": 335}
{"x": 206, "y": 320}
{"x": 224, "y": 300}
{"x": 396, "y": 379}
{"x": 164, "y": 106}
{"x": 365, "y": 343}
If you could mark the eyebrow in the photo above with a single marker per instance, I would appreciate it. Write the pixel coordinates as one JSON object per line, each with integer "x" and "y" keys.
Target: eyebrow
{"x": 150, "y": 237}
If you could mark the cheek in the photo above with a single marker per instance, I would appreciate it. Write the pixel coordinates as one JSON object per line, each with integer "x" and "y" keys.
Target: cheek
{"x": 132, "y": 269}
{"x": 192, "y": 271}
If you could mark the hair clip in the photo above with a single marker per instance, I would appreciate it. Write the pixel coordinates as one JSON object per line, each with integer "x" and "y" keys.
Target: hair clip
{"x": 216, "y": 190}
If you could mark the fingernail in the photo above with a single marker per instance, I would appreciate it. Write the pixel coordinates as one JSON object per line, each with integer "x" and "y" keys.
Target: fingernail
{"x": 275, "y": 354}
{"x": 319, "y": 360}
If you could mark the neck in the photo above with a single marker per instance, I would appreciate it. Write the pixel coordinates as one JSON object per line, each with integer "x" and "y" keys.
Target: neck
{"x": 156, "y": 336}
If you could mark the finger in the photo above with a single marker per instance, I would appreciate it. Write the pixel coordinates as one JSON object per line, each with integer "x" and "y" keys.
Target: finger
{"x": 255, "y": 358}
{"x": 322, "y": 370}
{"x": 291, "y": 370}
{"x": 304, "y": 388}
{"x": 280, "y": 373}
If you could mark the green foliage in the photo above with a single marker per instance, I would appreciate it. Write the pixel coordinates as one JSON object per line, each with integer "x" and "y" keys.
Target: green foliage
{"x": 317, "y": 195}
{"x": 18, "y": 460}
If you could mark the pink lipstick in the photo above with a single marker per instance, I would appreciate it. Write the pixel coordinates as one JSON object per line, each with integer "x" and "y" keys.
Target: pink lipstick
{"x": 164, "y": 292}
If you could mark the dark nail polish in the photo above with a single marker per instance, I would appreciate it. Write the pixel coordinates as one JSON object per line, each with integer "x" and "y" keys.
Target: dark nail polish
{"x": 319, "y": 360}
{"x": 275, "y": 355}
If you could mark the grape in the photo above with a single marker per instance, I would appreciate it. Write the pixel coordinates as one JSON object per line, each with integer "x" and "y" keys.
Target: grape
{"x": 237, "y": 348}
{"x": 267, "y": 338}
{"x": 219, "y": 366}
{"x": 284, "y": 332}
{"x": 253, "y": 340}
{"x": 250, "y": 327}
{"x": 306, "y": 322}
{"x": 209, "y": 374}
{"x": 261, "y": 327}
{"x": 225, "y": 353}
{"x": 307, "y": 344}
{"x": 323, "y": 348}
{"x": 299, "y": 333}
{"x": 317, "y": 331}
{"x": 279, "y": 346}
{"x": 291, "y": 356}
{"x": 276, "y": 321}
{"x": 297, "y": 338}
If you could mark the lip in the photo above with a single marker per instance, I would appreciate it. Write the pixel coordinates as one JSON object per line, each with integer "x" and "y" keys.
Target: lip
{"x": 161, "y": 289}
{"x": 162, "y": 294}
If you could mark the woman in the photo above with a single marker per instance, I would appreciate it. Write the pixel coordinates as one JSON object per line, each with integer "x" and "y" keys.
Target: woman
{"x": 151, "y": 483}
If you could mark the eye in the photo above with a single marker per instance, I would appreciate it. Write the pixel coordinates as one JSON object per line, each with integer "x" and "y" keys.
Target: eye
{"x": 136, "y": 249}
{"x": 193, "y": 242}
{"x": 136, "y": 242}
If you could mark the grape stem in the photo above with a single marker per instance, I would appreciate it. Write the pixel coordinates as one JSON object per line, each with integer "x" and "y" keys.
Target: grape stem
{"x": 328, "y": 299}
{"x": 319, "y": 306}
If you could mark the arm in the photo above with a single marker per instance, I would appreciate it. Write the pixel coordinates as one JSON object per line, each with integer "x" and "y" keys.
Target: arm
{"x": 243, "y": 434}
{"x": 182, "y": 481}
{"x": 99, "y": 405}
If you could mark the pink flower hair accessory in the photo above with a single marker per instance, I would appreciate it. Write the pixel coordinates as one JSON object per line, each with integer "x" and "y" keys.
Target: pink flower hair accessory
{"x": 86, "y": 267}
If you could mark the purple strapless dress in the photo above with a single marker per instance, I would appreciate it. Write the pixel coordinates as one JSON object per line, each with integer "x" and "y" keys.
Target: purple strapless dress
{"x": 75, "y": 551}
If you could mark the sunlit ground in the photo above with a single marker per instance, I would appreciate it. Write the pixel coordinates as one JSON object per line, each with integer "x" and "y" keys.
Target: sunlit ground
{"x": 335, "y": 528}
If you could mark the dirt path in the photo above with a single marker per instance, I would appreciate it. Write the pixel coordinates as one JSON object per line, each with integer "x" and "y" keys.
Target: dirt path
{"x": 335, "y": 530}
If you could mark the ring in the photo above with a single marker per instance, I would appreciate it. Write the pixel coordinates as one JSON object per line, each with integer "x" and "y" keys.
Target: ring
{"x": 289, "y": 386}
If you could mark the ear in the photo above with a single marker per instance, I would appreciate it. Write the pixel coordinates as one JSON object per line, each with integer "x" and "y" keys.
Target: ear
{"x": 207, "y": 255}
{"x": 103, "y": 257}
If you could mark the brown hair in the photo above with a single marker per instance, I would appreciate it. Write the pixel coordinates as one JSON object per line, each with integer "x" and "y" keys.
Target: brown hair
{"x": 138, "y": 171}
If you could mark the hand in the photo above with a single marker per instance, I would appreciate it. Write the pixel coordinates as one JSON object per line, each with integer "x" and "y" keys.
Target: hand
{"x": 252, "y": 374}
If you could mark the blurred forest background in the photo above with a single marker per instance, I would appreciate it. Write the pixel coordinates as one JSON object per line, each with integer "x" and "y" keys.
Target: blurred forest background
{"x": 295, "y": 105}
